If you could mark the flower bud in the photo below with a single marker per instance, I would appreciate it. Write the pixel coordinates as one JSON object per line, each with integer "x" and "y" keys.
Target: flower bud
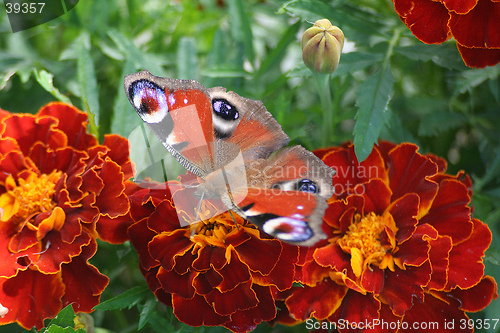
{"x": 321, "y": 47}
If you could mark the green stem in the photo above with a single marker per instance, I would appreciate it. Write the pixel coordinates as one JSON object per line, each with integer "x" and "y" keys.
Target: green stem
{"x": 323, "y": 82}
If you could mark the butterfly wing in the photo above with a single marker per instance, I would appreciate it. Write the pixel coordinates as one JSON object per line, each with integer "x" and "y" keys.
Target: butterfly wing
{"x": 286, "y": 195}
{"x": 204, "y": 129}
{"x": 179, "y": 112}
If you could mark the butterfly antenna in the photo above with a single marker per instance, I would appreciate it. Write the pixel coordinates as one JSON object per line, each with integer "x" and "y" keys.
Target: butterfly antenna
{"x": 235, "y": 223}
{"x": 197, "y": 214}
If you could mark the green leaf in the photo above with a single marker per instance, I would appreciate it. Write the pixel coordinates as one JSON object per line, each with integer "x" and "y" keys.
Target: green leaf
{"x": 126, "y": 300}
{"x": 58, "y": 329}
{"x": 146, "y": 312}
{"x": 87, "y": 80}
{"x": 64, "y": 318}
{"x": 474, "y": 77}
{"x": 445, "y": 55}
{"x": 438, "y": 122}
{"x": 355, "y": 61}
{"x": 240, "y": 26}
{"x": 187, "y": 61}
{"x": 45, "y": 79}
{"x": 373, "y": 97}
{"x": 124, "y": 119}
{"x": 160, "y": 324}
{"x": 277, "y": 53}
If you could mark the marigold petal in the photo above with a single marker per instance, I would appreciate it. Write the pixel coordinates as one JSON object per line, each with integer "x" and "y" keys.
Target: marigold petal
{"x": 140, "y": 235}
{"x": 372, "y": 279}
{"x": 376, "y": 194}
{"x": 58, "y": 252}
{"x": 460, "y": 6}
{"x": 319, "y": 302}
{"x": 258, "y": 254}
{"x": 439, "y": 312}
{"x": 402, "y": 287}
{"x": 196, "y": 311}
{"x": 466, "y": 263}
{"x": 119, "y": 152}
{"x": 181, "y": 285}
{"x": 415, "y": 251}
{"x": 349, "y": 172}
{"x": 166, "y": 247}
{"x": 408, "y": 174}
{"x": 84, "y": 283}
{"x": 233, "y": 273}
{"x": 439, "y": 256}
{"x": 28, "y": 129}
{"x": 479, "y": 57}
{"x": 283, "y": 274}
{"x": 450, "y": 213}
{"x": 54, "y": 222}
{"x": 404, "y": 211}
{"x": 479, "y": 27}
{"x": 247, "y": 320}
{"x": 359, "y": 308}
{"x": 31, "y": 297}
{"x": 478, "y": 297}
{"x": 206, "y": 282}
{"x": 224, "y": 303}
{"x": 427, "y": 20}
{"x": 112, "y": 200}
{"x": 72, "y": 121}
{"x": 9, "y": 264}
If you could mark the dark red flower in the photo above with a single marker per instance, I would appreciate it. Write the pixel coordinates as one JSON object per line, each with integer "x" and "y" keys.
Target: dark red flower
{"x": 402, "y": 244}
{"x": 56, "y": 183}
{"x": 473, "y": 23}
{"x": 217, "y": 272}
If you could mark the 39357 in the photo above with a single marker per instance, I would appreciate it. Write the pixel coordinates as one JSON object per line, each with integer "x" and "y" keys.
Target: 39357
{"x": 24, "y": 8}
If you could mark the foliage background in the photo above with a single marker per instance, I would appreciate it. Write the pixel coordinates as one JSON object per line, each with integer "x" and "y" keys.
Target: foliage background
{"x": 388, "y": 86}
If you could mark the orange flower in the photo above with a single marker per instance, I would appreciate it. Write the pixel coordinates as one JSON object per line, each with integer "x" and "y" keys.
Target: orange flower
{"x": 402, "y": 244}
{"x": 213, "y": 272}
{"x": 56, "y": 183}
{"x": 473, "y": 23}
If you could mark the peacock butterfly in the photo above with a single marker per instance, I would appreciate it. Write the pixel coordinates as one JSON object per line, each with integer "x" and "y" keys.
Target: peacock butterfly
{"x": 236, "y": 146}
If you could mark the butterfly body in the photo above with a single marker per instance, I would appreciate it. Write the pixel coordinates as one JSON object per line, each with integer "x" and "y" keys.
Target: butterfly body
{"x": 233, "y": 144}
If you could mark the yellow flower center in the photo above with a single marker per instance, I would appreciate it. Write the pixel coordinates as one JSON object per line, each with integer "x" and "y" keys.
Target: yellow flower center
{"x": 363, "y": 242}
{"x": 29, "y": 197}
{"x": 212, "y": 231}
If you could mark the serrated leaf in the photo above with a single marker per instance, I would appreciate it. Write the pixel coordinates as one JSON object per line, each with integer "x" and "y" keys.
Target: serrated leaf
{"x": 444, "y": 55}
{"x": 438, "y": 122}
{"x": 146, "y": 312}
{"x": 474, "y": 77}
{"x": 187, "y": 61}
{"x": 355, "y": 61}
{"x": 45, "y": 79}
{"x": 59, "y": 329}
{"x": 240, "y": 26}
{"x": 160, "y": 324}
{"x": 126, "y": 300}
{"x": 65, "y": 317}
{"x": 87, "y": 80}
{"x": 373, "y": 97}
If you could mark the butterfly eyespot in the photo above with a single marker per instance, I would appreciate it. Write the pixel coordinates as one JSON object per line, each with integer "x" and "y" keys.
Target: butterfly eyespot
{"x": 149, "y": 100}
{"x": 225, "y": 110}
{"x": 307, "y": 185}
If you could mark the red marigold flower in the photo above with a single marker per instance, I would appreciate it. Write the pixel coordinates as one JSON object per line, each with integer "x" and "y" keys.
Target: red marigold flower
{"x": 473, "y": 23}
{"x": 402, "y": 244}
{"x": 213, "y": 272}
{"x": 56, "y": 183}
